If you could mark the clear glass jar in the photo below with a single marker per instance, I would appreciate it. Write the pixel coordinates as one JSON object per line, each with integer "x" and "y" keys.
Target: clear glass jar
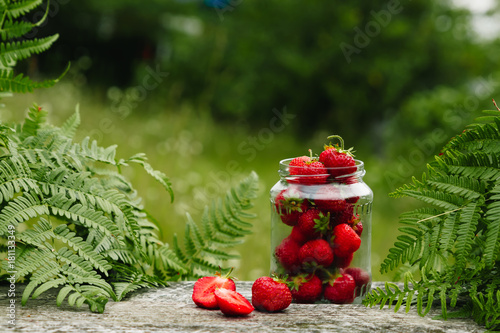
{"x": 311, "y": 213}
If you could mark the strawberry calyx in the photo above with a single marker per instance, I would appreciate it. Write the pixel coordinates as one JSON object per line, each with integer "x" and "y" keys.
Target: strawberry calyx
{"x": 322, "y": 224}
{"x": 295, "y": 282}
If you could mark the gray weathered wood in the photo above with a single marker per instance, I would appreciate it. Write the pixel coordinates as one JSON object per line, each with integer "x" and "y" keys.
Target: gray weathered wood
{"x": 172, "y": 310}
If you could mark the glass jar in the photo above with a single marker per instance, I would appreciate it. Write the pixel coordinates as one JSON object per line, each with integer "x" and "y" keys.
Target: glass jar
{"x": 321, "y": 226}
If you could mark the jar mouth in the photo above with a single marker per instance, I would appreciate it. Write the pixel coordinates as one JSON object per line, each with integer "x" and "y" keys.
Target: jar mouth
{"x": 349, "y": 171}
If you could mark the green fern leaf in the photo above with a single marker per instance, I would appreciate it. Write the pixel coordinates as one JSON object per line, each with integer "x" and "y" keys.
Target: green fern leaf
{"x": 11, "y": 53}
{"x": 15, "y": 9}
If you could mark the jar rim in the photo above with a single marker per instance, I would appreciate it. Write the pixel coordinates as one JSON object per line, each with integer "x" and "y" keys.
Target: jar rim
{"x": 285, "y": 169}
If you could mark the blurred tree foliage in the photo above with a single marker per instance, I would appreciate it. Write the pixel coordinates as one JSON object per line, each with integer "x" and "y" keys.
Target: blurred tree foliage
{"x": 345, "y": 66}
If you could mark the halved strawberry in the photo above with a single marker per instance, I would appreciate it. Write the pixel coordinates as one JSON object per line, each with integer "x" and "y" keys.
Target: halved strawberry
{"x": 232, "y": 303}
{"x": 204, "y": 288}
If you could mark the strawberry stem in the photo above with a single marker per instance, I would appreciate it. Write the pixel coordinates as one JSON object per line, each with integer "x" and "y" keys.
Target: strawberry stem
{"x": 339, "y": 138}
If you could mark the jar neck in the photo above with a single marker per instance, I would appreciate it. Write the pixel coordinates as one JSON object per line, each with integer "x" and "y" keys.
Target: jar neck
{"x": 344, "y": 175}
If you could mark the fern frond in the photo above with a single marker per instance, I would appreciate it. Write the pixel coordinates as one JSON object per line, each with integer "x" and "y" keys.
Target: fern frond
{"x": 12, "y": 52}
{"x": 436, "y": 198}
{"x": 20, "y": 209}
{"x": 15, "y": 9}
{"x": 469, "y": 218}
{"x": 83, "y": 248}
{"x": 222, "y": 226}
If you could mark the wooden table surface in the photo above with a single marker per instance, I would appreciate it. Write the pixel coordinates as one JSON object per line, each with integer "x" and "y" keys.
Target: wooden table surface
{"x": 171, "y": 309}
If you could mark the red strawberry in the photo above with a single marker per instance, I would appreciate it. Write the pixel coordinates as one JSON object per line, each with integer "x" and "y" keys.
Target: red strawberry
{"x": 345, "y": 240}
{"x": 312, "y": 223}
{"x": 290, "y": 205}
{"x": 343, "y": 216}
{"x": 329, "y": 199}
{"x": 270, "y": 294}
{"x": 358, "y": 228}
{"x": 361, "y": 277}
{"x": 287, "y": 254}
{"x": 308, "y": 170}
{"x": 203, "y": 290}
{"x": 298, "y": 162}
{"x": 337, "y": 160}
{"x": 306, "y": 288}
{"x": 232, "y": 303}
{"x": 343, "y": 262}
{"x": 316, "y": 251}
{"x": 340, "y": 289}
{"x": 297, "y": 235}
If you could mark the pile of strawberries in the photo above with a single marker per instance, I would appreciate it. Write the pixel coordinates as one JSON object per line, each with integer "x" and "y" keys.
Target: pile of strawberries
{"x": 269, "y": 294}
{"x": 325, "y": 231}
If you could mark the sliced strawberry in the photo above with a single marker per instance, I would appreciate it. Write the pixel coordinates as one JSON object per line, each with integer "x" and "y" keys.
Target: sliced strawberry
{"x": 232, "y": 303}
{"x": 203, "y": 290}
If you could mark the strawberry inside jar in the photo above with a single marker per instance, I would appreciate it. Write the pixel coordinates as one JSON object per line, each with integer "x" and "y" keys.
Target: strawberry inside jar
{"x": 321, "y": 221}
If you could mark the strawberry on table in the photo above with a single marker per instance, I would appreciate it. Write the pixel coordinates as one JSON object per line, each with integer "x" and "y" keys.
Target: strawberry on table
{"x": 232, "y": 303}
{"x": 270, "y": 294}
{"x": 340, "y": 289}
{"x": 204, "y": 288}
{"x": 306, "y": 288}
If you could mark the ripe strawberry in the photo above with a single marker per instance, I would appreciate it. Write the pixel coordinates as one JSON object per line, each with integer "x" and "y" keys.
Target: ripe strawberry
{"x": 232, "y": 303}
{"x": 308, "y": 170}
{"x": 340, "y": 289}
{"x": 312, "y": 223}
{"x": 345, "y": 240}
{"x": 361, "y": 277}
{"x": 306, "y": 288}
{"x": 290, "y": 205}
{"x": 203, "y": 290}
{"x": 270, "y": 294}
{"x": 358, "y": 227}
{"x": 337, "y": 160}
{"x": 329, "y": 199}
{"x": 343, "y": 216}
{"x": 343, "y": 262}
{"x": 316, "y": 251}
{"x": 297, "y": 235}
{"x": 287, "y": 254}
{"x": 298, "y": 162}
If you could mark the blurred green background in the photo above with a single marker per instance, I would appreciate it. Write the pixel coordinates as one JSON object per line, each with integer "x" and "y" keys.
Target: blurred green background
{"x": 213, "y": 89}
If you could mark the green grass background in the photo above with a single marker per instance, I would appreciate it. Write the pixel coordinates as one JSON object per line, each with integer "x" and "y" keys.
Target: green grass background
{"x": 203, "y": 158}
